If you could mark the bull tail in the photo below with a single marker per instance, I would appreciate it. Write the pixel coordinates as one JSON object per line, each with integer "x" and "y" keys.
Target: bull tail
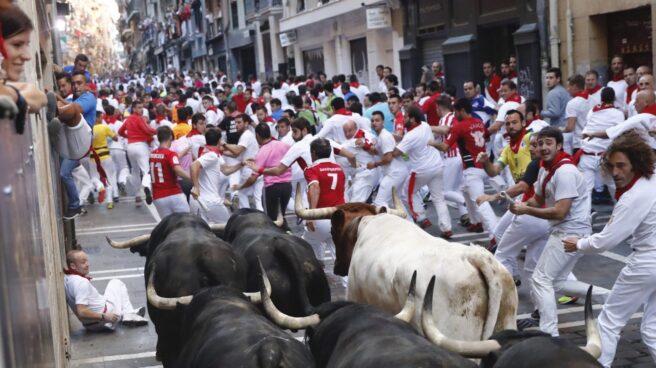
{"x": 497, "y": 281}
{"x": 296, "y": 276}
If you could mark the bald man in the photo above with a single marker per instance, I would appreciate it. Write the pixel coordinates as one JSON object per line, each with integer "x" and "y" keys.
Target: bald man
{"x": 644, "y": 120}
{"x": 645, "y": 82}
{"x": 363, "y": 146}
{"x": 643, "y": 70}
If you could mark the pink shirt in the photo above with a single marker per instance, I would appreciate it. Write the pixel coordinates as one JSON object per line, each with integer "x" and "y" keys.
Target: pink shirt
{"x": 180, "y": 145}
{"x": 270, "y": 155}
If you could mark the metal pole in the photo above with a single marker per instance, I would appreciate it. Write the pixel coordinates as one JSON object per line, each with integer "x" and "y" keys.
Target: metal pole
{"x": 56, "y": 46}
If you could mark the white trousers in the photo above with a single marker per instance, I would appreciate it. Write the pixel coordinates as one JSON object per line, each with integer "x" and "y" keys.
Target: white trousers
{"x": 108, "y": 166}
{"x": 118, "y": 302}
{"x": 83, "y": 182}
{"x": 393, "y": 179}
{"x": 568, "y": 139}
{"x": 453, "y": 183}
{"x": 635, "y": 286}
{"x": 121, "y": 169}
{"x": 550, "y": 276}
{"x": 590, "y": 167}
{"x": 216, "y": 212}
{"x": 139, "y": 156}
{"x": 434, "y": 181}
{"x": 304, "y": 200}
{"x": 254, "y": 190}
{"x": 320, "y": 238}
{"x": 362, "y": 184}
{"x": 475, "y": 186}
{"x": 172, "y": 204}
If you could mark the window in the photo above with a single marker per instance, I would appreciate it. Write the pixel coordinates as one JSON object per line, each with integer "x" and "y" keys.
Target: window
{"x": 234, "y": 15}
{"x": 300, "y": 5}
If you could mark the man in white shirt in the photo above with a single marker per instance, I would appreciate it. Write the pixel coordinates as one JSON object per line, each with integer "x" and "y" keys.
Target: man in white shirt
{"x": 576, "y": 113}
{"x": 213, "y": 116}
{"x": 561, "y": 197}
{"x": 593, "y": 88}
{"x": 601, "y": 117}
{"x": 97, "y": 312}
{"x": 617, "y": 81}
{"x": 246, "y": 149}
{"x": 426, "y": 168}
{"x": 361, "y": 143}
{"x": 631, "y": 164}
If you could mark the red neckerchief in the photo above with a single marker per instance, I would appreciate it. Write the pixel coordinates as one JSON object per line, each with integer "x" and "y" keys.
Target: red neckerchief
{"x": 412, "y": 127}
{"x": 439, "y": 74}
{"x": 535, "y": 117}
{"x": 355, "y": 84}
{"x": 602, "y": 106}
{"x": 360, "y": 134}
{"x": 68, "y": 271}
{"x": 512, "y": 74}
{"x": 269, "y": 119}
{"x": 650, "y": 109}
{"x": 336, "y": 86}
{"x": 517, "y": 142}
{"x": 209, "y": 149}
{"x": 3, "y": 51}
{"x": 159, "y": 118}
{"x": 212, "y": 108}
{"x": 343, "y": 111}
{"x": 594, "y": 90}
{"x": 617, "y": 77}
{"x": 620, "y": 191}
{"x": 562, "y": 158}
{"x": 514, "y": 98}
{"x": 629, "y": 91}
{"x": 193, "y": 132}
{"x": 110, "y": 119}
{"x": 583, "y": 94}
{"x": 180, "y": 104}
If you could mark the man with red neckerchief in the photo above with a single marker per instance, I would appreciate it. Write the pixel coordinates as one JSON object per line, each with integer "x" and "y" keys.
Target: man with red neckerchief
{"x": 576, "y": 112}
{"x": 631, "y": 163}
{"x": 588, "y": 158}
{"x": 429, "y": 106}
{"x": 593, "y": 88}
{"x": 617, "y": 81}
{"x": 497, "y": 130}
{"x": 491, "y": 82}
{"x": 561, "y": 197}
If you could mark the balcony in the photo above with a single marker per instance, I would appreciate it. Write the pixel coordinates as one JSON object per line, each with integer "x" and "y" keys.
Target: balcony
{"x": 214, "y": 28}
{"x": 134, "y": 8}
{"x": 262, "y": 8}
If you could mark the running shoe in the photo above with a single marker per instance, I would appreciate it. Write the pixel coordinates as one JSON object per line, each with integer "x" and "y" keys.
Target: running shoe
{"x": 149, "y": 196}
{"x": 447, "y": 235}
{"x": 72, "y": 213}
{"x": 525, "y": 323}
{"x": 464, "y": 220}
{"x": 137, "y": 201}
{"x": 567, "y": 299}
{"x": 475, "y": 228}
{"x": 101, "y": 195}
{"x": 425, "y": 223}
{"x": 110, "y": 205}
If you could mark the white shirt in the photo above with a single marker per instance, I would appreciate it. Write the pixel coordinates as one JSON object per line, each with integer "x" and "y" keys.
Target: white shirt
{"x": 384, "y": 144}
{"x": 537, "y": 125}
{"x": 567, "y": 182}
{"x": 578, "y": 108}
{"x": 598, "y": 121}
{"x": 248, "y": 141}
{"x": 214, "y": 117}
{"x": 361, "y": 91}
{"x": 194, "y": 104}
{"x": 361, "y": 155}
{"x": 594, "y": 99}
{"x": 210, "y": 177}
{"x": 299, "y": 152}
{"x": 197, "y": 141}
{"x": 620, "y": 87}
{"x": 333, "y": 128}
{"x": 423, "y": 158}
{"x": 153, "y": 124}
{"x": 499, "y": 142}
{"x": 634, "y": 216}
{"x": 80, "y": 291}
{"x": 121, "y": 144}
{"x": 280, "y": 94}
{"x": 641, "y": 121}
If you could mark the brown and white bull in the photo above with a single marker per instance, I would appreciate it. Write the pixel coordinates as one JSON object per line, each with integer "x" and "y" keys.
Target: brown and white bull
{"x": 475, "y": 295}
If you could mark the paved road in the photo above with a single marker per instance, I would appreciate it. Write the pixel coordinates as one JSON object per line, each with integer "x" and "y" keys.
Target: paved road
{"x": 135, "y": 347}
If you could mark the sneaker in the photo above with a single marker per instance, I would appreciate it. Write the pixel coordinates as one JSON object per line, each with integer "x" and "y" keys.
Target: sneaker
{"x": 91, "y": 199}
{"x": 149, "y": 196}
{"x": 593, "y": 217}
{"x": 133, "y": 320}
{"x": 475, "y": 228}
{"x": 425, "y": 223}
{"x": 72, "y": 213}
{"x": 535, "y": 314}
{"x": 121, "y": 189}
{"x": 101, "y": 195}
{"x": 110, "y": 205}
{"x": 141, "y": 311}
{"x": 235, "y": 204}
{"x": 525, "y": 323}
{"x": 115, "y": 199}
{"x": 567, "y": 299}
{"x": 464, "y": 220}
{"x": 518, "y": 281}
{"x": 492, "y": 246}
{"x": 447, "y": 235}
{"x": 137, "y": 201}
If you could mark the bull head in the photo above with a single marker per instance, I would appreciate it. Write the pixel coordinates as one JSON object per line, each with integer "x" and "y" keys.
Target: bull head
{"x": 163, "y": 303}
{"x": 480, "y": 349}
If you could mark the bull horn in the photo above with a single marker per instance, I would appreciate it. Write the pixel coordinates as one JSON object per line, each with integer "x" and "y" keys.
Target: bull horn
{"x": 407, "y": 313}
{"x": 593, "y": 345}
{"x": 161, "y": 302}
{"x": 399, "y": 209}
{"x": 217, "y": 227}
{"x": 256, "y": 297}
{"x": 312, "y": 214}
{"x": 468, "y": 349}
{"x": 281, "y": 319}
{"x": 134, "y": 242}
{"x": 280, "y": 220}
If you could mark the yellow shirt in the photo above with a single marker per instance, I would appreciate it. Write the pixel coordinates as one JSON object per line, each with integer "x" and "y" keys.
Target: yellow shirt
{"x": 180, "y": 130}
{"x": 102, "y": 132}
{"x": 517, "y": 162}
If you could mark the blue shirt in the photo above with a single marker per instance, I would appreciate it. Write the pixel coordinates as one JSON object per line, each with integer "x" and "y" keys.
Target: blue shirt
{"x": 277, "y": 115}
{"x": 69, "y": 69}
{"x": 348, "y": 95}
{"x": 387, "y": 115}
{"x": 88, "y": 102}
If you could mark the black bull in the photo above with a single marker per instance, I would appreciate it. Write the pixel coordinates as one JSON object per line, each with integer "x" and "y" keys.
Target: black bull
{"x": 221, "y": 328}
{"x": 298, "y": 281}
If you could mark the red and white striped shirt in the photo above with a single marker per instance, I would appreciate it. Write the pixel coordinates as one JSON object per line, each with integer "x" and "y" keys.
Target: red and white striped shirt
{"x": 447, "y": 120}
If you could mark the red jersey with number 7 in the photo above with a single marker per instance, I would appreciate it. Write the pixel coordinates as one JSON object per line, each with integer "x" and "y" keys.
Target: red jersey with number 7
{"x": 331, "y": 179}
{"x": 162, "y": 174}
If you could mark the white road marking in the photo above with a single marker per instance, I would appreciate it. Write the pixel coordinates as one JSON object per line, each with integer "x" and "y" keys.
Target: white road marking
{"x": 118, "y": 270}
{"x": 113, "y": 358}
{"x": 582, "y": 323}
{"x": 133, "y": 229}
{"x": 614, "y": 256}
{"x": 130, "y": 276}
{"x": 564, "y": 311}
{"x": 118, "y": 226}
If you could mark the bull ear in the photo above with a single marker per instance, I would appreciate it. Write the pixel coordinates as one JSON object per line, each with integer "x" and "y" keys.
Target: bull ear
{"x": 338, "y": 218}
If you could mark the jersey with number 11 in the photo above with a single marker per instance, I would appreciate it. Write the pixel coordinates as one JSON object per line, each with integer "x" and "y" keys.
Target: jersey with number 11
{"x": 331, "y": 180}
{"x": 162, "y": 173}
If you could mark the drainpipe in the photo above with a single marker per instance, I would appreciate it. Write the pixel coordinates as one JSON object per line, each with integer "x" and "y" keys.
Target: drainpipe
{"x": 543, "y": 35}
{"x": 554, "y": 39}
{"x": 570, "y": 40}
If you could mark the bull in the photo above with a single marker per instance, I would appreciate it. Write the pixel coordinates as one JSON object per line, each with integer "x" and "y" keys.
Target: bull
{"x": 347, "y": 334}
{"x": 221, "y": 328}
{"x": 519, "y": 349}
{"x": 476, "y": 296}
{"x": 298, "y": 281}
{"x": 183, "y": 255}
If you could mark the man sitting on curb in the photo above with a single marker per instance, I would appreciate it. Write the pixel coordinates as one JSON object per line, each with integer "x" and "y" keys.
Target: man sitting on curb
{"x": 98, "y": 312}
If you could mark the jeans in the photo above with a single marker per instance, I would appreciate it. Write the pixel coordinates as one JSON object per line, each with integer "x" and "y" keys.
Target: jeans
{"x": 66, "y": 173}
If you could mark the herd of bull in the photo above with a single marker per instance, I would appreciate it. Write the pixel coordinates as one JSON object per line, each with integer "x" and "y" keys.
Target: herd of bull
{"x": 219, "y": 296}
